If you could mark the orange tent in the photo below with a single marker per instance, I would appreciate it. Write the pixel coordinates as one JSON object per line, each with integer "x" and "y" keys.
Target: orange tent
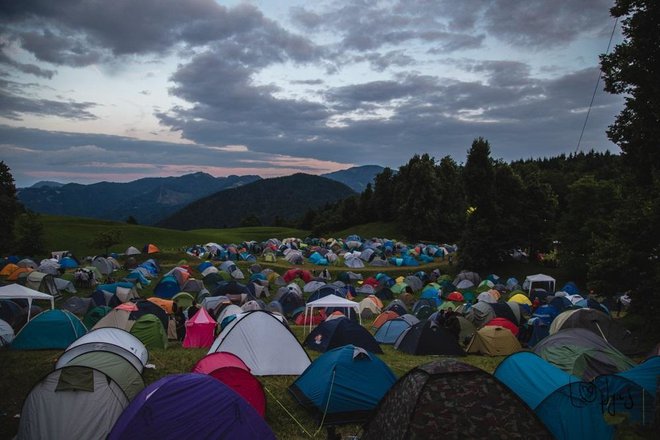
{"x": 383, "y": 318}
{"x": 376, "y": 301}
{"x": 16, "y": 273}
{"x": 164, "y": 304}
{"x": 150, "y": 249}
{"x": 8, "y": 269}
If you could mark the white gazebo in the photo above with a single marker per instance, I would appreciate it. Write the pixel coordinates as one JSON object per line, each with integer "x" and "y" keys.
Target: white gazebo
{"x": 537, "y": 279}
{"x": 331, "y": 301}
{"x": 16, "y": 291}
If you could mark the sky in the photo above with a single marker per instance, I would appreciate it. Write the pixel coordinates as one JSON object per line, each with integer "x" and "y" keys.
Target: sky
{"x": 119, "y": 90}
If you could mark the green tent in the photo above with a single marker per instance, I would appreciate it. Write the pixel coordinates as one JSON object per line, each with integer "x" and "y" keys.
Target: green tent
{"x": 115, "y": 367}
{"x": 149, "y": 329}
{"x": 95, "y": 315}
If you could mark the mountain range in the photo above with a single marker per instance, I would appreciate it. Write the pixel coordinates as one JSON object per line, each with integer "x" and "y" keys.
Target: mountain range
{"x": 286, "y": 198}
{"x": 152, "y": 200}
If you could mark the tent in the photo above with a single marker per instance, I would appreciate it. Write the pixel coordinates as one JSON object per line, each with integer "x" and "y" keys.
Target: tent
{"x": 633, "y": 392}
{"x": 337, "y": 332}
{"x": 600, "y": 324}
{"x": 149, "y": 329}
{"x": 333, "y": 301}
{"x": 494, "y": 340}
{"x": 232, "y": 371}
{"x": 343, "y": 385}
{"x": 369, "y": 308}
{"x": 132, "y": 250}
{"x": 42, "y": 282}
{"x": 582, "y": 353}
{"x": 167, "y": 287}
{"x": 452, "y": 399}
{"x": 190, "y": 406}
{"x": 200, "y": 330}
{"x": 72, "y": 402}
{"x": 264, "y": 343}
{"x": 16, "y": 291}
{"x": 427, "y": 337}
{"x": 390, "y": 331}
{"x": 570, "y": 409}
{"x": 111, "y": 340}
{"x": 150, "y": 248}
{"x": 383, "y": 318}
{"x": 52, "y": 329}
{"x": 6, "y": 333}
{"x": 77, "y": 305}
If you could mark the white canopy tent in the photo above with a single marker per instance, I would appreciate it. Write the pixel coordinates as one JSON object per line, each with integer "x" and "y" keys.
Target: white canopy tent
{"x": 539, "y": 278}
{"x": 331, "y": 301}
{"x": 16, "y": 291}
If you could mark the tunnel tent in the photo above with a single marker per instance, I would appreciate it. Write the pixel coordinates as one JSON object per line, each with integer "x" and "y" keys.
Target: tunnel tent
{"x": 72, "y": 402}
{"x": 108, "y": 339}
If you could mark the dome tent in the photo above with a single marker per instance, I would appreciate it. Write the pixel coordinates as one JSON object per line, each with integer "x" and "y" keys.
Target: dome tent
{"x": 72, "y": 402}
{"x": 204, "y": 408}
{"x": 232, "y": 371}
{"x": 343, "y": 385}
{"x": 264, "y": 343}
{"x": 456, "y": 399}
{"x": 52, "y": 329}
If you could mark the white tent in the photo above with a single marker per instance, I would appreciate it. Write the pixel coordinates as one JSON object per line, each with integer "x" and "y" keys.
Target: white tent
{"x": 132, "y": 250}
{"x": 264, "y": 343}
{"x": 539, "y": 278}
{"x": 16, "y": 291}
{"x": 331, "y": 301}
{"x": 113, "y": 340}
{"x": 6, "y": 333}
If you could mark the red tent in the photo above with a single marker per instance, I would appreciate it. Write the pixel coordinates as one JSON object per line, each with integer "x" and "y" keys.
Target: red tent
{"x": 503, "y": 322}
{"x": 292, "y": 274}
{"x": 232, "y": 371}
{"x": 200, "y": 330}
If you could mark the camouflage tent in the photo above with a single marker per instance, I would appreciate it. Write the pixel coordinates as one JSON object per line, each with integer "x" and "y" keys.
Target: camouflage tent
{"x": 456, "y": 399}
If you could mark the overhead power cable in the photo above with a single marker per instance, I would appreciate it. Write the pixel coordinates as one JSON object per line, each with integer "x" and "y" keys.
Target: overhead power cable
{"x": 584, "y": 126}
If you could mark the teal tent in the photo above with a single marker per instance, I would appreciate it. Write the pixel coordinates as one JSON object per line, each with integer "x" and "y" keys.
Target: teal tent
{"x": 52, "y": 329}
{"x": 569, "y": 407}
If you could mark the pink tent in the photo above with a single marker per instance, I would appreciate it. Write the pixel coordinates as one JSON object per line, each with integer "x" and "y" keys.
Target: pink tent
{"x": 200, "y": 330}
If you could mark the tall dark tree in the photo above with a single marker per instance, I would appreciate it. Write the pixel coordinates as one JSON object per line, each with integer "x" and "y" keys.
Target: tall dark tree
{"x": 477, "y": 249}
{"x": 30, "y": 235}
{"x": 9, "y": 208}
{"x": 417, "y": 199}
{"x": 633, "y": 69}
{"x": 382, "y": 200}
{"x": 106, "y": 239}
{"x": 451, "y": 213}
{"x": 367, "y": 212}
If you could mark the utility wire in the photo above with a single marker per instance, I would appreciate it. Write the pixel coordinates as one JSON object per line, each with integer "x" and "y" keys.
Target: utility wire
{"x": 584, "y": 126}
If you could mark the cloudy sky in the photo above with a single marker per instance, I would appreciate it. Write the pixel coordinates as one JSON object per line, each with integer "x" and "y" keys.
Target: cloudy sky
{"x": 122, "y": 89}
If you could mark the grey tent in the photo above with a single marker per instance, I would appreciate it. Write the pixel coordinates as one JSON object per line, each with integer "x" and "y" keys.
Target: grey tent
{"x": 72, "y": 403}
{"x": 480, "y": 314}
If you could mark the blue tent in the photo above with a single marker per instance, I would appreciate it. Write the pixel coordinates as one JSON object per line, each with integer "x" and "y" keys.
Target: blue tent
{"x": 633, "y": 391}
{"x": 190, "y": 406}
{"x": 340, "y": 331}
{"x": 167, "y": 287}
{"x": 390, "y": 331}
{"x": 52, "y": 329}
{"x": 569, "y": 407}
{"x": 328, "y": 289}
{"x": 139, "y": 277}
{"x": 343, "y": 385}
{"x": 68, "y": 263}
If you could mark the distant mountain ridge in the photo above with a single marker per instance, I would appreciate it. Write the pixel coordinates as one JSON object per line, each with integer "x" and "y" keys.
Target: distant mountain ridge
{"x": 148, "y": 200}
{"x": 356, "y": 178}
{"x": 286, "y": 198}
{"x": 152, "y": 199}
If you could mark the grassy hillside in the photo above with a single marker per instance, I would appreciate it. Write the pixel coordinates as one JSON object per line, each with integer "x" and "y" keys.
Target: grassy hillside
{"x": 75, "y": 234}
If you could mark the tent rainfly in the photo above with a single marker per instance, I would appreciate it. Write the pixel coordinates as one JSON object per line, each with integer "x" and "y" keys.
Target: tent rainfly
{"x": 16, "y": 291}
{"x": 331, "y": 301}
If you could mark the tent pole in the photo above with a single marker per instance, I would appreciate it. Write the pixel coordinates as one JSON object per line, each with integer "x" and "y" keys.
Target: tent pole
{"x": 29, "y": 308}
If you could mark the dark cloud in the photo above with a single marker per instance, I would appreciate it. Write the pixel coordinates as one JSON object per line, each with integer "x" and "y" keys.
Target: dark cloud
{"x": 79, "y": 32}
{"x": 24, "y": 67}
{"x": 13, "y": 106}
{"x": 382, "y": 61}
{"x": 308, "y": 82}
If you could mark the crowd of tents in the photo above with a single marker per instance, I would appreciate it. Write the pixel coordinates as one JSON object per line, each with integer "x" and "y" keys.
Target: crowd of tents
{"x": 568, "y": 368}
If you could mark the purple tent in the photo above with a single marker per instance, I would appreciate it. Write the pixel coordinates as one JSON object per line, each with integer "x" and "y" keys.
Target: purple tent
{"x": 190, "y": 406}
